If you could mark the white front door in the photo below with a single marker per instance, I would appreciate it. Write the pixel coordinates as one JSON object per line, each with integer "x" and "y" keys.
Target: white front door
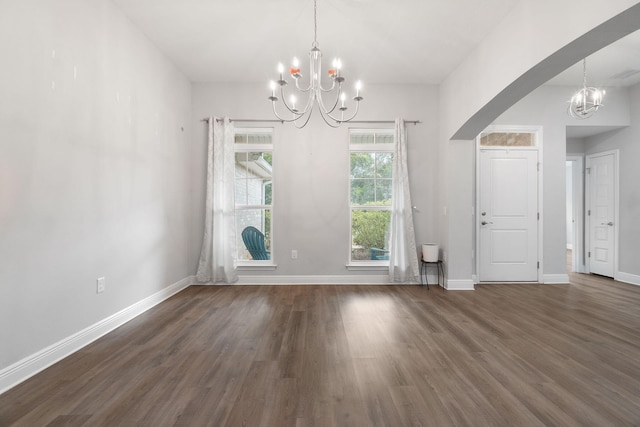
{"x": 508, "y": 216}
{"x": 601, "y": 179}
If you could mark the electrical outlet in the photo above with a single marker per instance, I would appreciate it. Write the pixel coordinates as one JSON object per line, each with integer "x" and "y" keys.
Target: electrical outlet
{"x": 101, "y": 285}
{"x": 294, "y": 254}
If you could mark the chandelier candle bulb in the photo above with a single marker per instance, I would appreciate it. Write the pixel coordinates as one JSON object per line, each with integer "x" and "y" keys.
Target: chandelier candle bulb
{"x": 273, "y": 96}
{"x": 337, "y": 64}
{"x": 295, "y": 68}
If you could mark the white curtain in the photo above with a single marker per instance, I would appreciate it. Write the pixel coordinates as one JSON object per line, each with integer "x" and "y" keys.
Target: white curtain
{"x": 218, "y": 255}
{"x": 403, "y": 256}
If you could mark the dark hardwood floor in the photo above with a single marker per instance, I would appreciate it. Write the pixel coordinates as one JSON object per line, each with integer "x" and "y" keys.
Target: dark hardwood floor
{"x": 503, "y": 355}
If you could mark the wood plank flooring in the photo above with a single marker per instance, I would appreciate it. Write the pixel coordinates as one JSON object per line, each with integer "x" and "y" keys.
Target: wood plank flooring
{"x": 503, "y": 355}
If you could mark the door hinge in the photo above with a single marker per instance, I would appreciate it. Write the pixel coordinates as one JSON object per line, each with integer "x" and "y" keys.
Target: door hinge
{"x": 588, "y": 171}
{"x": 589, "y": 212}
{"x": 538, "y": 166}
{"x": 589, "y": 255}
{"x": 538, "y": 265}
{"x": 538, "y": 216}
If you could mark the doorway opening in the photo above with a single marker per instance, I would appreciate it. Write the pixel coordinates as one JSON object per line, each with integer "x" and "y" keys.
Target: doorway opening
{"x": 575, "y": 213}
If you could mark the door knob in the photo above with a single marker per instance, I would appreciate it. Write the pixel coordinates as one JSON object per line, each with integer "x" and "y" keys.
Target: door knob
{"x": 485, "y": 223}
{"x": 610, "y": 224}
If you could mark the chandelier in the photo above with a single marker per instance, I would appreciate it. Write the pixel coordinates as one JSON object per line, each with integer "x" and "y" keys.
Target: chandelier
{"x": 335, "y": 112}
{"x": 587, "y": 100}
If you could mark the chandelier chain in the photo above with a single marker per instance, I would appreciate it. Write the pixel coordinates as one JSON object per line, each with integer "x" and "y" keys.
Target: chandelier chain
{"x": 315, "y": 23}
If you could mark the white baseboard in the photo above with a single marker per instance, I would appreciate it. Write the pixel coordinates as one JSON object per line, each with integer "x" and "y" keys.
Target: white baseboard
{"x": 555, "y": 279}
{"x": 632, "y": 279}
{"x": 31, "y": 365}
{"x": 380, "y": 279}
{"x": 459, "y": 285}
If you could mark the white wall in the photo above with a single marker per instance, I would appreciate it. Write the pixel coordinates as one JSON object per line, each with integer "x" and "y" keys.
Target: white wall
{"x": 311, "y": 170}
{"x": 575, "y": 146}
{"x": 546, "y": 107}
{"x": 93, "y": 170}
{"x": 626, "y": 140}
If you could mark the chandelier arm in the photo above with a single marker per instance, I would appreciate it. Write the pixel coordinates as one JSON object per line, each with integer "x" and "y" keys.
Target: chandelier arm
{"x": 333, "y": 86}
{"x": 284, "y": 98}
{"x": 300, "y": 88}
{"x": 325, "y": 115}
{"x": 321, "y": 102}
{"x": 297, "y": 113}
{"x": 308, "y": 108}
{"x": 282, "y": 119}
{"x": 284, "y": 102}
{"x": 343, "y": 120}
{"x": 354, "y": 113}
{"x": 300, "y": 126}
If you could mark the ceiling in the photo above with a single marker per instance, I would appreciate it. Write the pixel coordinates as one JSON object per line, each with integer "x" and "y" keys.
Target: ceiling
{"x": 407, "y": 41}
{"x": 243, "y": 40}
{"x": 616, "y": 65}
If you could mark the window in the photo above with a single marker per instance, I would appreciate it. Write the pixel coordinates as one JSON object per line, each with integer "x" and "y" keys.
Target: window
{"x": 508, "y": 139}
{"x": 253, "y": 190}
{"x": 370, "y": 184}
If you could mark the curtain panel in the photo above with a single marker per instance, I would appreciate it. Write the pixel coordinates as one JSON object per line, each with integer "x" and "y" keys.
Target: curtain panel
{"x": 403, "y": 256}
{"x": 218, "y": 262}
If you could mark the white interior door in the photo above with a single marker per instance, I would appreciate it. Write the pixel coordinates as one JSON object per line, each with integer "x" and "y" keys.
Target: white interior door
{"x": 508, "y": 215}
{"x": 601, "y": 178}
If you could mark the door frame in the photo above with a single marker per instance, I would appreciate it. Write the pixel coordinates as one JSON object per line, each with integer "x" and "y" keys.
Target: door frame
{"x": 616, "y": 208}
{"x": 578, "y": 181}
{"x": 538, "y": 147}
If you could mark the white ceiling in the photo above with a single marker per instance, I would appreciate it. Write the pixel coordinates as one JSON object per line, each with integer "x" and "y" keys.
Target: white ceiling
{"x": 616, "y": 65}
{"x": 379, "y": 41}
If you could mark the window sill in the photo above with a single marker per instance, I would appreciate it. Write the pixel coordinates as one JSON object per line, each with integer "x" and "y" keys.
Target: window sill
{"x": 256, "y": 265}
{"x": 367, "y": 266}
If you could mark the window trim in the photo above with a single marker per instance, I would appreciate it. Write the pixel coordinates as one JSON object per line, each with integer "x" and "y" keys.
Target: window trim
{"x": 248, "y": 265}
{"x": 366, "y": 265}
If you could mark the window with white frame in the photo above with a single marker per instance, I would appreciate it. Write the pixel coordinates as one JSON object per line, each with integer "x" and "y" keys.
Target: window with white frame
{"x": 253, "y": 194}
{"x": 370, "y": 190}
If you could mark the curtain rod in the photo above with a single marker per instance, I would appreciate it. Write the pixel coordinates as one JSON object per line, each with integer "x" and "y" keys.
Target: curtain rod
{"x": 414, "y": 122}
